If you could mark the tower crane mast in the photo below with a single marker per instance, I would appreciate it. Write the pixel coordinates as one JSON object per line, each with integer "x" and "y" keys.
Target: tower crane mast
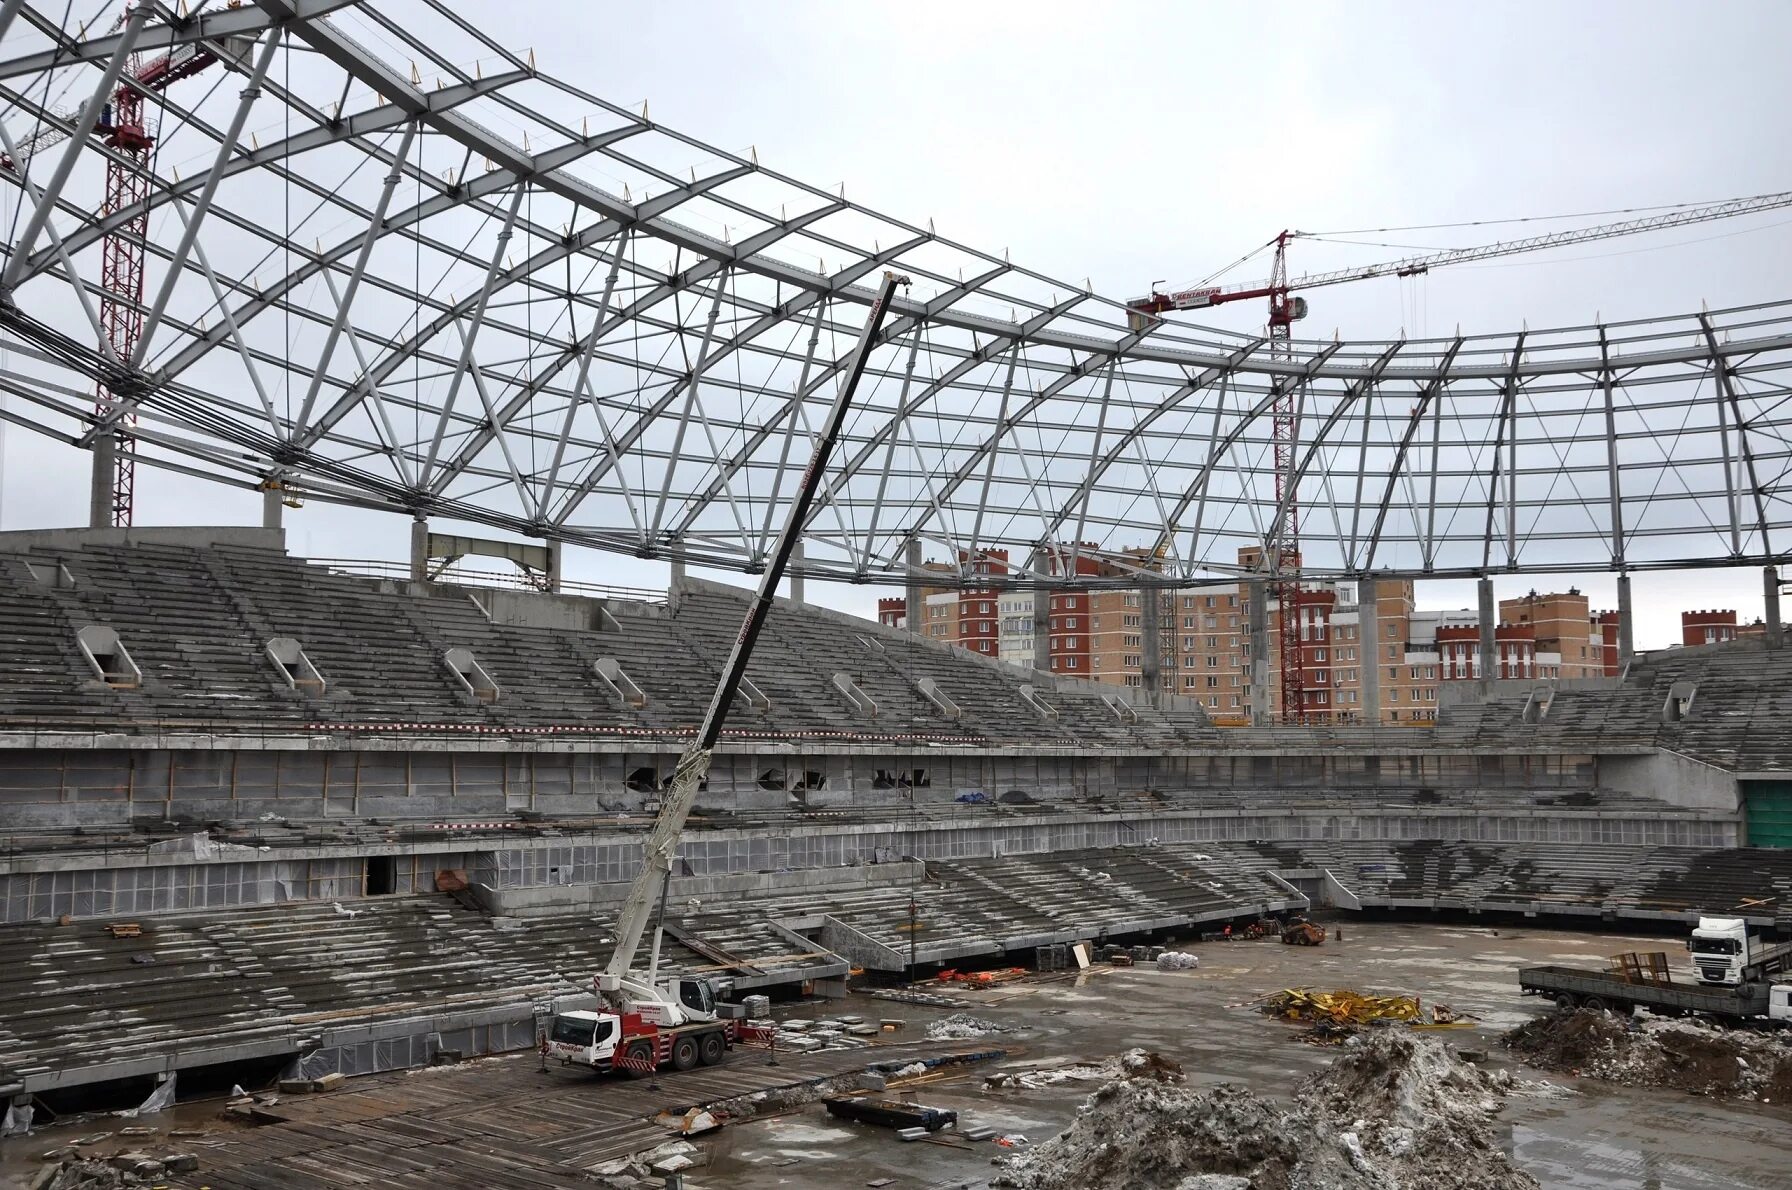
{"x": 124, "y": 128}
{"x": 1282, "y": 559}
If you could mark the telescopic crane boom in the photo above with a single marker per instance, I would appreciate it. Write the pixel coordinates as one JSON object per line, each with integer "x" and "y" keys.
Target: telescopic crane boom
{"x": 662, "y": 841}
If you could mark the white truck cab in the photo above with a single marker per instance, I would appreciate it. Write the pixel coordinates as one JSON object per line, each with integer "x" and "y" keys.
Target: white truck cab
{"x": 588, "y": 1038}
{"x": 1779, "y": 1003}
{"x": 1720, "y": 950}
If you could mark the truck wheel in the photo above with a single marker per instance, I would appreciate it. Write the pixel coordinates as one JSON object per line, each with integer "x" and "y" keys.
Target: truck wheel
{"x": 711, "y": 1049}
{"x": 1594, "y": 1003}
{"x": 1565, "y": 1002}
{"x": 684, "y": 1053}
{"x": 642, "y": 1052}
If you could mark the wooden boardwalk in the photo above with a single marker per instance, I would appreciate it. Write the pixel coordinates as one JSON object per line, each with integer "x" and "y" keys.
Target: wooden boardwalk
{"x": 497, "y": 1123}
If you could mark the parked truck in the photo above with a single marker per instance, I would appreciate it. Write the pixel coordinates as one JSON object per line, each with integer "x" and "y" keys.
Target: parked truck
{"x": 1571, "y": 987}
{"x": 1724, "y": 954}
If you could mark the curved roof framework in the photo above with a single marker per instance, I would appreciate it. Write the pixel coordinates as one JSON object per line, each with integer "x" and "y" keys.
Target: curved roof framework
{"x": 392, "y": 265}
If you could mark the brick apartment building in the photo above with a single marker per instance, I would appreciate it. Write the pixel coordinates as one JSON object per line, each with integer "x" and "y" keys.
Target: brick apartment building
{"x": 1204, "y": 637}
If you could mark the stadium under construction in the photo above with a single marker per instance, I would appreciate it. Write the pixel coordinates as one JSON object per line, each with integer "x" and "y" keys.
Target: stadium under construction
{"x": 265, "y": 817}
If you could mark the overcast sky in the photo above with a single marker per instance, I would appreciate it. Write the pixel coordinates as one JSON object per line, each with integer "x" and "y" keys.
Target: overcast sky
{"x": 1133, "y": 144}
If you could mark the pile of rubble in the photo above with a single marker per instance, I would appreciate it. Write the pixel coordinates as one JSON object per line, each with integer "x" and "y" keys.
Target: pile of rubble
{"x": 1686, "y": 1055}
{"x": 68, "y": 1171}
{"x": 962, "y": 1026}
{"x": 1395, "y": 1112}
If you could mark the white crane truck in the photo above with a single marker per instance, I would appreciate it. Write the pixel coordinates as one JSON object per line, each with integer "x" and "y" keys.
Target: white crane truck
{"x": 643, "y": 1024}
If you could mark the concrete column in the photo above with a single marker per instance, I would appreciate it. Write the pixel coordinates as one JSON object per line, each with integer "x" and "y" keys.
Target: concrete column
{"x": 420, "y": 550}
{"x": 555, "y": 565}
{"x": 105, "y": 462}
{"x": 1489, "y": 658}
{"x": 1770, "y": 598}
{"x": 1257, "y": 623}
{"x": 912, "y": 596}
{"x": 1368, "y": 631}
{"x": 1151, "y": 662}
{"x": 273, "y": 507}
{"x": 1626, "y": 638}
{"x": 796, "y": 574}
{"x": 1042, "y": 623}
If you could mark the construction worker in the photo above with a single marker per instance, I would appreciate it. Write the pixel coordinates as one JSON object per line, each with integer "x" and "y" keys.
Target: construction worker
{"x": 1227, "y": 932}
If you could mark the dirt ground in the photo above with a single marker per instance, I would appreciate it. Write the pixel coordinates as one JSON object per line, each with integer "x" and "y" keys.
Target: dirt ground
{"x": 1568, "y": 1132}
{"x": 1583, "y": 1134}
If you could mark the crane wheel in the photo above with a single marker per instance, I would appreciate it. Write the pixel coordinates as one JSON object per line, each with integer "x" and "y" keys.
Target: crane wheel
{"x": 642, "y": 1052}
{"x": 711, "y": 1049}
{"x": 684, "y": 1053}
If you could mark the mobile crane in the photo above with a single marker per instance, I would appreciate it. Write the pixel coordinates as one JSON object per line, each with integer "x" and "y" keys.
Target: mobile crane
{"x": 643, "y": 1024}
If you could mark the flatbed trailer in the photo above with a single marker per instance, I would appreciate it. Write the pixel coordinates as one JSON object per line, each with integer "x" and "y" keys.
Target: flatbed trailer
{"x": 1571, "y": 987}
{"x": 642, "y": 1048}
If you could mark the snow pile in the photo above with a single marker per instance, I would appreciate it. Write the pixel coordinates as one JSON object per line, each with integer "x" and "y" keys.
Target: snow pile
{"x": 1686, "y": 1055}
{"x": 1396, "y": 1112}
{"x": 961, "y": 1026}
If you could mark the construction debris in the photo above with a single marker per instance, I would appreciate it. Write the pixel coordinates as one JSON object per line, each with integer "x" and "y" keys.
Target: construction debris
{"x": 1341, "y": 1007}
{"x": 1135, "y": 1063}
{"x": 1396, "y": 1110}
{"x": 1176, "y": 960}
{"x": 961, "y": 1026}
{"x": 1685, "y": 1055}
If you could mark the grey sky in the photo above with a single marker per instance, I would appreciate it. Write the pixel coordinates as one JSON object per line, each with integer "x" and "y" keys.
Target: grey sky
{"x": 1132, "y": 145}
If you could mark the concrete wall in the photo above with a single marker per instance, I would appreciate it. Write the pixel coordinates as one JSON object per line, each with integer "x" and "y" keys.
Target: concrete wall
{"x": 1675, "y": 779}
{"x": 51, "y": 786}
{"x": 99, "y": 883}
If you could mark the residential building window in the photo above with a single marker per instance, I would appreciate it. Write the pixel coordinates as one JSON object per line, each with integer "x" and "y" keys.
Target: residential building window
{"x": 1070, "y": 622}
{"x": 1209, "y": 602}
{"x": 1319, "y": 654}
{"x": 1070, "y": 662}
{"x": 1070, "y": 602}
{"x": 1213, "y": 642}
{"x": 1211, "y": 622}
{"x": 1188, "y": 643}
{"x": 1188, "y": 601}
{"x": 1213, "y": 682}
{"x": 1213, "y": 662}
{"x": 1189, "y": 621}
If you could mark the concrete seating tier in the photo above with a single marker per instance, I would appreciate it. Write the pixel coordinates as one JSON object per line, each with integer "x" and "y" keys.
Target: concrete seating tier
{"x": 196, "y": 620}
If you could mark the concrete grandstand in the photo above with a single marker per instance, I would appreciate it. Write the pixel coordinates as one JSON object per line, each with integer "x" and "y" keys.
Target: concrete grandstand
{"x": 406, "y": 835}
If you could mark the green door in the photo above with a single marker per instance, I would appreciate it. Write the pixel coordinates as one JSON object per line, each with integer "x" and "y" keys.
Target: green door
{"x": 1769, "y": 809}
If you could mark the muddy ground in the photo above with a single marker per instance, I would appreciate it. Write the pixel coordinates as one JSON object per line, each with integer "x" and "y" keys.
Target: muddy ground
{"x": 1569, "y": 1133}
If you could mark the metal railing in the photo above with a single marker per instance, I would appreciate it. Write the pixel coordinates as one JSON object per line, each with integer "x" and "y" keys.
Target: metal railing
{"x": 467, "y": 577}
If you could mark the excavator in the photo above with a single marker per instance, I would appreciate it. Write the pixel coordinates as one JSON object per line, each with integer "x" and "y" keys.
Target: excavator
{"x": 643, "y": 1024}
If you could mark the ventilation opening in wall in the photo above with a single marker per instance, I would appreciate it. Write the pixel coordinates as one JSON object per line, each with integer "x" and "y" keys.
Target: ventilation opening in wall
{"x": 645, "y": 779}
{"x": 773, "y": 779}
{"x": 49, "y": 572}
{"x": 918, "y": 779}
{"x": 812, "y": 779}
{"x": 884, "y": 779}
{"x": 382, "y": 875}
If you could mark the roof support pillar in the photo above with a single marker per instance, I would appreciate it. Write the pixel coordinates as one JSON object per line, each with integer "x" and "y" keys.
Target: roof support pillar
{"x": 796, "y": 575}
{"x": 105, "y": 463}
{"x": 555, "y": 562}
{"x": 1257, "y": 623}
{"x": 1368, "y": 632}
{"x": 913, "y": 607}
{"x": 1770, "y": 598}
{"x": 273, "y": 505}
{"x": 1151, "y": 661}
{"x": 1484, "y": 593}
{"x": 1626, "y": 624}
{"x": 420, "y": 550}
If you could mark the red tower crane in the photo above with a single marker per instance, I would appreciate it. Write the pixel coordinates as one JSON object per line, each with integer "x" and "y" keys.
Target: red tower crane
{"x": 123, "y": 128}
{"x": 1285, "y": 308}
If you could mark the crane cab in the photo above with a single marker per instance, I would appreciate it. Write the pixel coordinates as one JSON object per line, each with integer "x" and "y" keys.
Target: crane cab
{"x": 587, "y": 1038}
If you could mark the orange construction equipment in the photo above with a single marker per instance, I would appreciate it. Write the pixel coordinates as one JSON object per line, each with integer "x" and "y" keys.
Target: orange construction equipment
{"x": 1303, "y": 933}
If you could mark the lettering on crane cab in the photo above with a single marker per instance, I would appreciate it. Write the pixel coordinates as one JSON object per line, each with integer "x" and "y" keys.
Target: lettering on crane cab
{"x": 1195, "y": 297}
